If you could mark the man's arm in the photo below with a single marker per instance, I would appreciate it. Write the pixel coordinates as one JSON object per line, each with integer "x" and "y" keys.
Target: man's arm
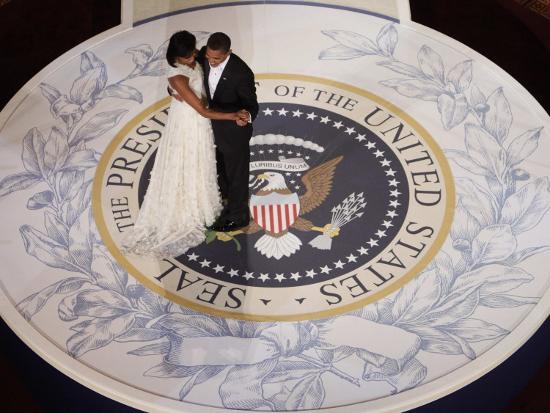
{"x": 246, "y": 90}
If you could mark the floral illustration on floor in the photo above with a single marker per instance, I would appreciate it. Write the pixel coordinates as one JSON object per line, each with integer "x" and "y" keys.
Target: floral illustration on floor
{"x": 434, "y": 313}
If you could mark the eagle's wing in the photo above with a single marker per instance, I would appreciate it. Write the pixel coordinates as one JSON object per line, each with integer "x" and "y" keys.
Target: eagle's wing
{"x": 318, "y": 182}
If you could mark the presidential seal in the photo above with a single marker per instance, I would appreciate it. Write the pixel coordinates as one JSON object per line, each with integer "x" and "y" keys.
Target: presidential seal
{"x": 350, "y": 198}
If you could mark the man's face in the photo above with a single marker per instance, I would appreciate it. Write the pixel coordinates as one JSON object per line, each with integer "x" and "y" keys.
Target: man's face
{"x": 215, "y": 57}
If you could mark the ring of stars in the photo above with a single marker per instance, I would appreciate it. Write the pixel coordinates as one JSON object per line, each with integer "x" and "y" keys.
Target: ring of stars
{"x": 393, "y": 185}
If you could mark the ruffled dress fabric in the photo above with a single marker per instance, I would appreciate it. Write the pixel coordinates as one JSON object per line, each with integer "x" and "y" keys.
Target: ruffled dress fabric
{"x": 183, "y": 195}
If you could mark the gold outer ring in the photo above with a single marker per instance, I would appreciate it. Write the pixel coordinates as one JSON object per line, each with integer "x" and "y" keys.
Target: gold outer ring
{"x": 413, "y": 271}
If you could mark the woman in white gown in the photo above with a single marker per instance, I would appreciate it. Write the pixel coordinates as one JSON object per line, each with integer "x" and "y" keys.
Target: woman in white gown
{"x": 183, "y": 196}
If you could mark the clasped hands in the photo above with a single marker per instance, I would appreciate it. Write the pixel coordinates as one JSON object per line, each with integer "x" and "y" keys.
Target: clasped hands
{"x": 242, "y": 117}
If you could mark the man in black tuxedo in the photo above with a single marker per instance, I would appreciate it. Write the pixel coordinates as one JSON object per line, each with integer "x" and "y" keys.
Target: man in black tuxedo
{"x": 230, "y": 87}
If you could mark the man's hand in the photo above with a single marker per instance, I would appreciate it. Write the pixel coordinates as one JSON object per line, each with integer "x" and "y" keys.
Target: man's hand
{"x": 173, "y": 93}
{"x": 244, "y": 117}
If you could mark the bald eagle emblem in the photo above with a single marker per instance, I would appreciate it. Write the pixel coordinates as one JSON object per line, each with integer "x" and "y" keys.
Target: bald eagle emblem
{"x": 276, "y": 210}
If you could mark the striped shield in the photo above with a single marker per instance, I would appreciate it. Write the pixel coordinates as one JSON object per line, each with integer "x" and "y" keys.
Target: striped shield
{"x": 275, "y": 212}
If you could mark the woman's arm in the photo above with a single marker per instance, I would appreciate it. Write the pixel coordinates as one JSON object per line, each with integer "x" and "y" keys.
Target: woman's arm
{"x": 180, "y": 84}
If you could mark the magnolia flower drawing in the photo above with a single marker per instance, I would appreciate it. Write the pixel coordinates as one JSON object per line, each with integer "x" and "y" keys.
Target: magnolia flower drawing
{"x": 438, "y": 315}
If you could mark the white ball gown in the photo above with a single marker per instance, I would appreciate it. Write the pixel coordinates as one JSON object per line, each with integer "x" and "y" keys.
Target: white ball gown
{"x": 183, "y": 195}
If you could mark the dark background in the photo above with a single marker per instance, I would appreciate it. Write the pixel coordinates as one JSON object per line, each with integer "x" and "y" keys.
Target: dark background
{"x": 33, "y": 33}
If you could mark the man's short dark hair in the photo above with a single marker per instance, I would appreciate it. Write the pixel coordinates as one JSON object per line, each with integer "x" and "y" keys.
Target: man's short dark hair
{"x": 219, "y": 41}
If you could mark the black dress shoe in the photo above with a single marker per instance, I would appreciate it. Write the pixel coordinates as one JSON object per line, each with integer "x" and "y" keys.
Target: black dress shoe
{"x": 219, "y": 224}
{"x": 236, "y": 221}
{"x": 232, "y": 225}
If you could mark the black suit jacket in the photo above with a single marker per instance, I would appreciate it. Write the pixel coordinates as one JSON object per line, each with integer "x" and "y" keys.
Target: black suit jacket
{"x": 236, "y": 89}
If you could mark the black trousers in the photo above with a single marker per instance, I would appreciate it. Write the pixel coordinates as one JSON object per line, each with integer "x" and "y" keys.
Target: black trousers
{"x": 233, "y": 164}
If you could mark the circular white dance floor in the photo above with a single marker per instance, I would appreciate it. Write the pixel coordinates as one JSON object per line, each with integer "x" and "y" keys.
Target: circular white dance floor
{"x": 405, "y": 260}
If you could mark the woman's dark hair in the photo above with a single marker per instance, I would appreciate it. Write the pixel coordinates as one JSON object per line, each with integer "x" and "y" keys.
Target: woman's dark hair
{"x": 219, "y": 41}
{"x": 182, "y": 44}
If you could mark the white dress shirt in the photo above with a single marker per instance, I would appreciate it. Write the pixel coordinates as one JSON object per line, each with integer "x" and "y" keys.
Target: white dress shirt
{"x": 215, "y": 75}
